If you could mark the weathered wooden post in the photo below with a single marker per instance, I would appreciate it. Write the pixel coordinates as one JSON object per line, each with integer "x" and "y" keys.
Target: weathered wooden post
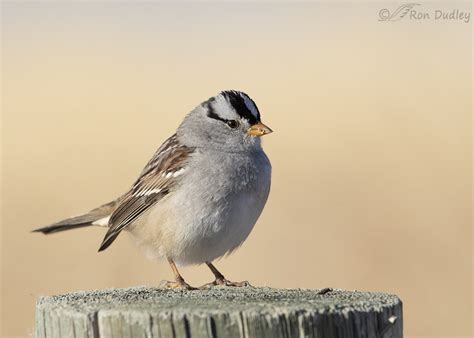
{"x": 220, "y": 312}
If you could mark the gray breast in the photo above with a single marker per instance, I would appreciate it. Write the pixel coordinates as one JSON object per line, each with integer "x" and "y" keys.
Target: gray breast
{"x": 210, "y": 193}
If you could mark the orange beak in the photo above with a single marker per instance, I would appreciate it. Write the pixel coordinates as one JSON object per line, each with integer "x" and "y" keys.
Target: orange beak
{"x": 259, "y": 129}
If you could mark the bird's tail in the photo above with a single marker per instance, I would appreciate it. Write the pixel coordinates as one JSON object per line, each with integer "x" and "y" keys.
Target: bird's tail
{"x": 98, "y": 216}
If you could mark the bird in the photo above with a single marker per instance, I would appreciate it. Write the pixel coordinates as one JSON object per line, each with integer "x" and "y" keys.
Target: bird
{"x": 199, "y": 196}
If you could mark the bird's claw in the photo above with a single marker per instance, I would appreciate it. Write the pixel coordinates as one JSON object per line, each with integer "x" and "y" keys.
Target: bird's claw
{"x": 225, "y": 282}
{"x": 176, "y": 285}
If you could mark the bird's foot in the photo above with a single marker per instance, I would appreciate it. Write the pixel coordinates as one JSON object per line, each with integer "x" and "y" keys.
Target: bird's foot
{"x": 180, "y": 284}
{"x": 224, "y": 282}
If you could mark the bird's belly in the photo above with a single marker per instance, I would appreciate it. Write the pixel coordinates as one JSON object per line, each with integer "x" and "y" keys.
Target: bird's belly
{"x": 206, "y": 230}
{"x": 206, "y": 236}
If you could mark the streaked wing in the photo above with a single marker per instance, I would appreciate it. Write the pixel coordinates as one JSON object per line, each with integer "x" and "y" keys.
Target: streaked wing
{"x": 156, "y": 181}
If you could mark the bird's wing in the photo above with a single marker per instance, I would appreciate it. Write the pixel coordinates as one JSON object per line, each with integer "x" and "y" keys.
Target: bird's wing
{"x": 156, "y": 181}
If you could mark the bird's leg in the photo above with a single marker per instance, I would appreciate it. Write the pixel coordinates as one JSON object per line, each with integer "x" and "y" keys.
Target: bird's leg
{"x": 221, "y": 280}
{"x": 179, "y": 280}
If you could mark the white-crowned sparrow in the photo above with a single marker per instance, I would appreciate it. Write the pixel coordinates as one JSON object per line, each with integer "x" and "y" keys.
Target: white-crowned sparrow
{"x": 200, "y": 195}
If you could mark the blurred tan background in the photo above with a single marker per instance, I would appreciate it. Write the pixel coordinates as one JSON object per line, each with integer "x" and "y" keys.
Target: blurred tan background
{"x": 371, "y": 151}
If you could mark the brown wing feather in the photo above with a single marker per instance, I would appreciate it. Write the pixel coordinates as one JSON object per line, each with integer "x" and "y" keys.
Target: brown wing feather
{"x": 155, "y": 182}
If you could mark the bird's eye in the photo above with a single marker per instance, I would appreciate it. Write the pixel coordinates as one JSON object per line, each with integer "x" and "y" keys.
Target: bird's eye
{"x": 232, "y": 124}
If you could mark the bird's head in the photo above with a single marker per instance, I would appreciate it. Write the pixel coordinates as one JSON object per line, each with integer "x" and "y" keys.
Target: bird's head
{"x": 229, "y": 121}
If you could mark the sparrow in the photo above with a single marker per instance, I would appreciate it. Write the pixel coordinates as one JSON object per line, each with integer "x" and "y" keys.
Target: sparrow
{"x": 199, "y": 196}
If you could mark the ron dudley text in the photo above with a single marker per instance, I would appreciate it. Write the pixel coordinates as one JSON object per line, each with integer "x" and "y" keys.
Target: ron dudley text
{"x": 438, "y": 14}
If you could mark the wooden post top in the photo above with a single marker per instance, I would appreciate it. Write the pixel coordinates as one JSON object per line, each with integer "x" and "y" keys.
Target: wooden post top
{"x": 219, "y": 312}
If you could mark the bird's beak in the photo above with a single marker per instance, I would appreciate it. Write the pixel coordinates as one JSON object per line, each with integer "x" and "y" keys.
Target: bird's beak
{"x": 259, "y": 129}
